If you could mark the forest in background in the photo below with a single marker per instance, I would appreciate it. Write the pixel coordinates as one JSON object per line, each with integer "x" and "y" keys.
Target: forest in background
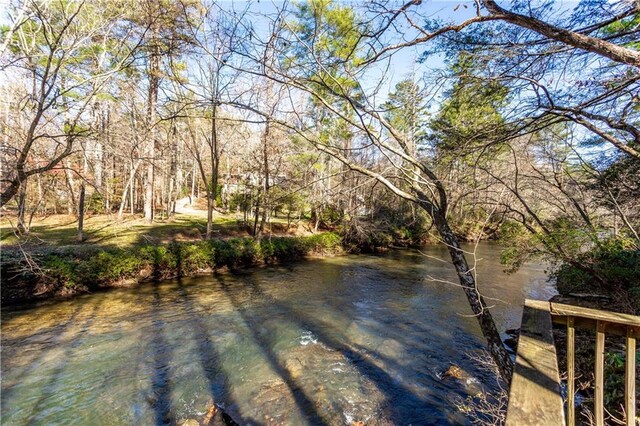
{"x": 516, "y": 123}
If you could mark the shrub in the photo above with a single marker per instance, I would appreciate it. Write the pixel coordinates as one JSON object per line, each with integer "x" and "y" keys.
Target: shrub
{"x": 108, "y": 266}
{"x": 93, "y": 267}
{"x": 617, "y": 261}
{"x": 321, "y": 243}
{"x": 60, "y": 270}
{"x": 197, "y": 256}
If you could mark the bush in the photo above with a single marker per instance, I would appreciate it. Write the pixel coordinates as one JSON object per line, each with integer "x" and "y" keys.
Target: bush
{"x": 197, "y": 257}
{"x": 109, "y": 266}
{"x": 321, "y": 243}
{"x": 164, "y": 260}
{"x": 617, "y": 261}
{"x": 92, "y": 267}
{"x": 60, "y": 270}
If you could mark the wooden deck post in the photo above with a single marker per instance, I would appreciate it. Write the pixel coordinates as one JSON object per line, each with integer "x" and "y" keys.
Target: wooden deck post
{"x": 630, "y": 378}
{"x": 571, "y": 368}
{"x": 598, "y": 394}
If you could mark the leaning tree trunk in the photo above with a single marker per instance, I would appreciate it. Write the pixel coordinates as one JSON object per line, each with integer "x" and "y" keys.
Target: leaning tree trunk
{"x": 476, "y": 301}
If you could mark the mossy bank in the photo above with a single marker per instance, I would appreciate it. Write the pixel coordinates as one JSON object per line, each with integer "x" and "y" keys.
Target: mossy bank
{"x": 48, "y": 273}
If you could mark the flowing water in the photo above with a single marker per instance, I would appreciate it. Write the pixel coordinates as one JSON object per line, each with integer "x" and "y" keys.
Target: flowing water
{"x": 331, "y": 341}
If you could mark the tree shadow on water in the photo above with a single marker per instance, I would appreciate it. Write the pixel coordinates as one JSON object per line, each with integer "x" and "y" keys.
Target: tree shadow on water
{"x": 208, "y": 354}
{"x": 14, "y": 347}
{"x": 394, "y": 391}
{"x": 161, "y": 385}
{"x": 159, "y": 397}
{"x": 262, "y": 339}
{"x": 209, "y": 357}
{"x": 50, "y": 389}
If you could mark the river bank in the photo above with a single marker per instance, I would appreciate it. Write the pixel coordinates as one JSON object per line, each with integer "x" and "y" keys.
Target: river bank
{"x": 47, "y": 273}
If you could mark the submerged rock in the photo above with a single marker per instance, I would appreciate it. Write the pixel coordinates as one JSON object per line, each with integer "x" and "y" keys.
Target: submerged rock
{"x": 471, "y": 384}
{"x": 276, "y": 400}
{"x": 326, "y": 383}
{"x": 453, "y": 371}
{"x": 215, "y": 416}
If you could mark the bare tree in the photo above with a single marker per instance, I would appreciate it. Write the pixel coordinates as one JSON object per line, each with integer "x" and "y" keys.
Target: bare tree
{"x": 405, "y": 175}
{"x": 208, "y": 87}
{"x": 50, "y": 48}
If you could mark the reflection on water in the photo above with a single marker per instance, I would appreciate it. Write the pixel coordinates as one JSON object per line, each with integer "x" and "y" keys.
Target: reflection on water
{"x": 354, "y": 338}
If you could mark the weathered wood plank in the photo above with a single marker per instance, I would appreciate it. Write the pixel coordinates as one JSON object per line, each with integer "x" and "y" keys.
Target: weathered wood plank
{"x": 591, "y": 324}
{"x": 630, "y": 380}
{"x": 598, "y": 396}
{"x": 535, "y": 396}
{"x": 594, "y": 314}
{"x": 571, "y": 368}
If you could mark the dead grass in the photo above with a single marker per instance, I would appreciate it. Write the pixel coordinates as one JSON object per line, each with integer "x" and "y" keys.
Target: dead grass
{"x": 104, "y": 230}
{"x": 61, "y": 230}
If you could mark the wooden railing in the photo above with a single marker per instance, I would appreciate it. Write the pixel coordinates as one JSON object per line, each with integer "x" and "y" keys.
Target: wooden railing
{"x": 535, "y": 397}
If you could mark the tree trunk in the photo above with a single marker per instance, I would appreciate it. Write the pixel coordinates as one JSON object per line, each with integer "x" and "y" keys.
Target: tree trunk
{"x": 81, "y": 214}
{"x": 128, "y": 187}
{"x": 215, "y": 160}
{"x": 266, "y": 185}
{"x": 148, "y": 193}
{"x": 256, "y": 216}
{"x": 210, "y": 205}
{"x": 193, "y": 183}
{"x": 71, "y": 202}
{"x": 476, "y": 301}
{"x": 22, "y": 207}
{"x": 154, "y": 83}
{"x": 132, "y": 196}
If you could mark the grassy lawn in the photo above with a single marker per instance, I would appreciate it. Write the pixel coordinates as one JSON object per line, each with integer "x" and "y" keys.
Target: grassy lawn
{"x": 104, "y": 230}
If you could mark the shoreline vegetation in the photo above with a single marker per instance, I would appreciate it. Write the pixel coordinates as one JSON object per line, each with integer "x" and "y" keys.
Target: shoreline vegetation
{"x": 46, "y": 273}
{"x": 49, "y": 263}
{"x": 49, "y": 269}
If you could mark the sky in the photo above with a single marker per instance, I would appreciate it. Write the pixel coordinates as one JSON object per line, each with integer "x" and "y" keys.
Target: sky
{"x": 403, "y": 63}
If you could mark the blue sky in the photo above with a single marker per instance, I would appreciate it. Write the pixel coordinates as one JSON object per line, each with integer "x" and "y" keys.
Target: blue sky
{"x": 403, "y": 62}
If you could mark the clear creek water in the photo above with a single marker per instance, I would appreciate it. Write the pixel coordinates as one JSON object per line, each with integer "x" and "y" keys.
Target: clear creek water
{"x": 330, "y": 341}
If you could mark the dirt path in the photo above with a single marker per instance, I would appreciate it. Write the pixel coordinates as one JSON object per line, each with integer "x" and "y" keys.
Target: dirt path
{"x": 183, "y": 206}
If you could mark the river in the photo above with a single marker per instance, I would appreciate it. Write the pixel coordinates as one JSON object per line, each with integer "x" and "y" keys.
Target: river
{"x": 326, "y": 341}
